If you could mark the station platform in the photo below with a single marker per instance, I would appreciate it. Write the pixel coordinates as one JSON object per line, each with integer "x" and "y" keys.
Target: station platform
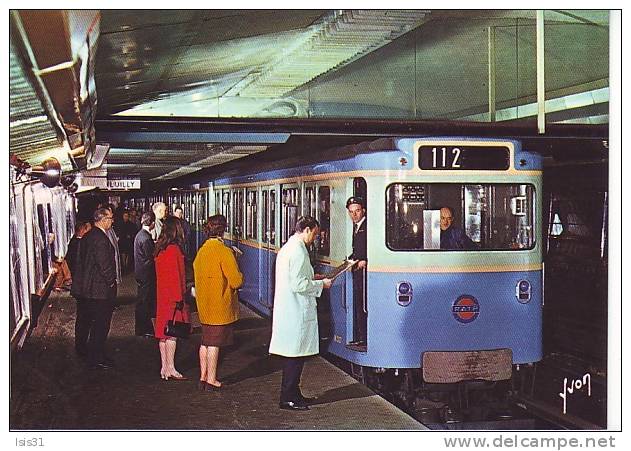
{"x": 52, "y": 389}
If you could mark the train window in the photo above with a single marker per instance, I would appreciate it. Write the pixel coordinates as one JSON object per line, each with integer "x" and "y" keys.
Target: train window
{"x": 289, "y": 212}
{"x": 251, "y": 215}
{"x": 324, "y": 217}
{"x": 43, "y": 240}
{"x": 226, "y": 207}
{"x": 266, "y": 221}
{"x": 310, "y": 201}
{"x": 272, "y": 217}
{"x": 238, "y": 212}
{"x": 201, "y": 209}
{"x": 269, "y": 216}
{"x": 217, "y": 203}
{"x": 483, "y": 216}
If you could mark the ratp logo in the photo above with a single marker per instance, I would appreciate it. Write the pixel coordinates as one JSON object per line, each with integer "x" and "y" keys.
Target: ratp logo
{"x": 465, "y": 309}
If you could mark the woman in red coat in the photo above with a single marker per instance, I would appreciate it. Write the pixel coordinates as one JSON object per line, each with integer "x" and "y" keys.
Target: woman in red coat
{"x": 170, "y": 288}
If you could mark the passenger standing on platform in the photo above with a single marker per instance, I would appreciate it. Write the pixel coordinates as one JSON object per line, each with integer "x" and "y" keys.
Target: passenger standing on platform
{"x": 81, "y": 229}
{"x": 171, "y": 286}
{"x": 145, "y": 272}
{"x": 356, "y": 208}
{"x": 217, "y": 278}
{"x": 160, "y": 210}
{"x": 126, "y": 231}
{"x": 295, "y": 319}
{"x": 178, "y": 212}
{"x": 94, "y": 286}
{"x": 111, "y": 234}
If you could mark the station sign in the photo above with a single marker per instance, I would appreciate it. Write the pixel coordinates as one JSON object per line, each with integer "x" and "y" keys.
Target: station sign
{"x": 123, "y": 184}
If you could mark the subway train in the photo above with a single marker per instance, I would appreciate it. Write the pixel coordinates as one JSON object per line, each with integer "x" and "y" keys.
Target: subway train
{"x": 42, "y": 207}
{"x": 442, "y": 325}
{"x": 436, "y": 318}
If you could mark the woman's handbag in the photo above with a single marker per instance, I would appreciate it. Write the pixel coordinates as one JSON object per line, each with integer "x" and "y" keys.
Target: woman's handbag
{"x": 178, "y": 329}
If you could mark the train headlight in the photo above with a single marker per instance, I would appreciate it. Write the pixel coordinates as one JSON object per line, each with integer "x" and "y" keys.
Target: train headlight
{"x": 404, "y": 293}
{"x": 523, "y": 291}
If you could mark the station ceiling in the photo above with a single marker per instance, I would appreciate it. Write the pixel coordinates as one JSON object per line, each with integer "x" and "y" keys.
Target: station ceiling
{"x": 233, "y": 83}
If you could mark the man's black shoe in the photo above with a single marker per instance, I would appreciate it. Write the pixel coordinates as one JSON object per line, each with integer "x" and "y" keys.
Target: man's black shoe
{"x": 101, "y": 366}
{"x": 293, "y": 406}
{"x": 307, "y": 400}
{"x": 109, "y": 362}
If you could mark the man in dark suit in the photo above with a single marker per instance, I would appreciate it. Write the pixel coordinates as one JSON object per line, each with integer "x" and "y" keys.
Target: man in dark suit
{"x": 82, "y": 227}
{"x": 94, "y": 286}
{"x": 178, "y": 212}
{"x": 145, "y": 272}
{"x": 356, "y": 207}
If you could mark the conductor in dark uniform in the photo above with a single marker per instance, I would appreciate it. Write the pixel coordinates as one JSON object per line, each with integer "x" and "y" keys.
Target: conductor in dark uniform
{"x": 356, "y": 207}
{"x": 94, "y": 286}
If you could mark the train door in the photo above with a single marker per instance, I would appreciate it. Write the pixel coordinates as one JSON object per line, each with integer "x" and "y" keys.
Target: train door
{"x": 356, "y": 280}
{"x": 268, "y": 240}
{"x": 250, "y": 259}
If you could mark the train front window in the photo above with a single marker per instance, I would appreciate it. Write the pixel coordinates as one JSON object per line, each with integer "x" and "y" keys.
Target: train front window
{"x": 445, "y": 216}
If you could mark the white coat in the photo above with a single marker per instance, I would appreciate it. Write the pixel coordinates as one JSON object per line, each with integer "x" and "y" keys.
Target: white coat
{"x": 295, "y": 320}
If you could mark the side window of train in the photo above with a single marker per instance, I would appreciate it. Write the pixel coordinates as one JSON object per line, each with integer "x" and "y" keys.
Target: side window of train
{"x": 269, "y": 216}
{"x": 226, "y": 207}
{"x": 324, "y": 217}
{"x": 43, "y": 240}
{"x": 290, "y": 212}
{"x": 310, "y": 201}
{"x": 217, "y": 203}
{"x": 251, "y": 231}
{"x": 486, "y": 216}
{"x": 238, "y": 213}
{"x": 55, "y": 232}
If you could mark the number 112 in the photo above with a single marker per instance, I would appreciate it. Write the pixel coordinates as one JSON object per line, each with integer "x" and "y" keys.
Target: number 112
{"x": 443, "y": 151}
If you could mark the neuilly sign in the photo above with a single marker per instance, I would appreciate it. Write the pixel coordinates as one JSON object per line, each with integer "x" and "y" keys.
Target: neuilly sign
{"x": 124, "y": 184}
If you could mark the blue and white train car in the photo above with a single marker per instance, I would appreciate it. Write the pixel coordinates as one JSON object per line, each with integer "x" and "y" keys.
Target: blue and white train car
{"x": 457, "y": 314}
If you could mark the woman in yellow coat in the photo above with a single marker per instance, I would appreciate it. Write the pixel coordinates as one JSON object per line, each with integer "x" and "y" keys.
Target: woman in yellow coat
{"x": 217, "y": 278}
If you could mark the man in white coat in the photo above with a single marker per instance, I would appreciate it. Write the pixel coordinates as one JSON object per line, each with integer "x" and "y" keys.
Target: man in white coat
{"x": 295, "y": 321}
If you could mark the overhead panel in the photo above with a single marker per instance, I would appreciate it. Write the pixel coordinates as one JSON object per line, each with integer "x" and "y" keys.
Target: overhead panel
{"x": 57, "y": 49}
{"x": 34, "y": 132}
{"x": 338, "y": 39}
{"x": 163, "y": 160}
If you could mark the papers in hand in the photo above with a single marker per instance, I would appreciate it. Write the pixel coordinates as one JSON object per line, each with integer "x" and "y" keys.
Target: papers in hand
{"x": 238, "y": 252}
{"x": 348, "y": 264}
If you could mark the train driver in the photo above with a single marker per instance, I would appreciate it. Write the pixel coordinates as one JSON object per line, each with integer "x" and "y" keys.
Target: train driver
{"x": 356, "y": 207}
{"x": 452, "y": 237}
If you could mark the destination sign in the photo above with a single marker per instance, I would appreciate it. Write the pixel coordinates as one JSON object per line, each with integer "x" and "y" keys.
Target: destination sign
{"x": 454, "y": 158}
